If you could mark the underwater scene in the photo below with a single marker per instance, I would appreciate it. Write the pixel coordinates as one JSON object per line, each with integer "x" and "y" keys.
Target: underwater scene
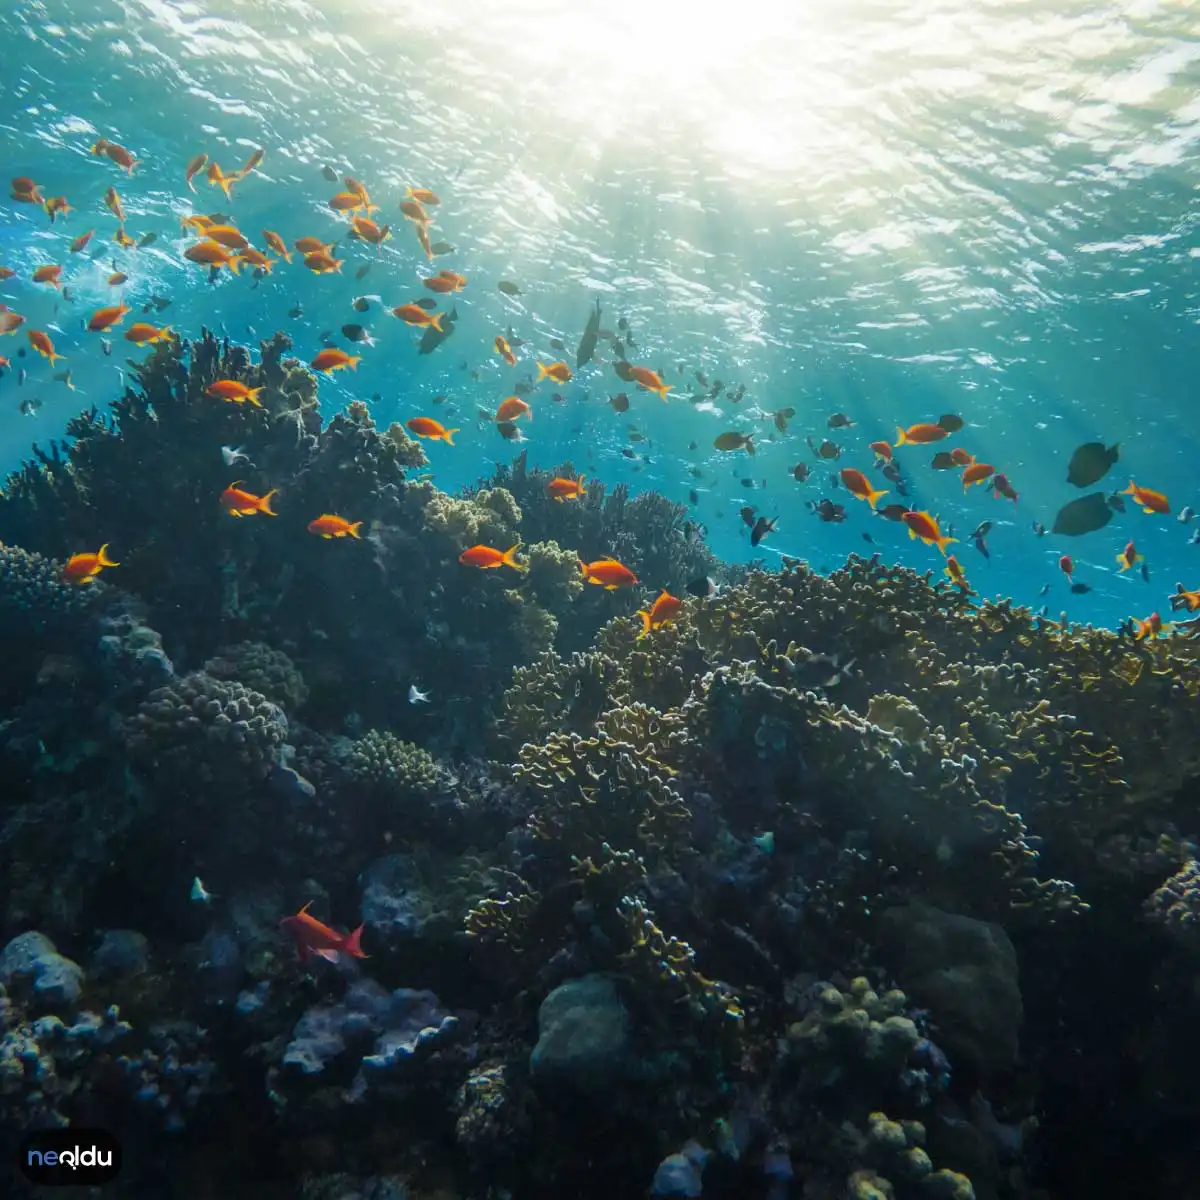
{"x": 600, "y": 599}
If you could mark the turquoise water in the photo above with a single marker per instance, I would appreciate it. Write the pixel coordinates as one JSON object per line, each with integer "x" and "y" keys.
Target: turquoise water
{"x": 989, "y": 210}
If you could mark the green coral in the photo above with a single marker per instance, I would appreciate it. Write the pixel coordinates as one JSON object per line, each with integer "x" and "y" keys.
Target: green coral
{"x": 263, "y": 669}
{"x": 394, "y": 768}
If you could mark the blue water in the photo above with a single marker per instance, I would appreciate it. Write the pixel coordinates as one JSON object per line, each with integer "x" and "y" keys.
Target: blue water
{"x": 982, "y": 209}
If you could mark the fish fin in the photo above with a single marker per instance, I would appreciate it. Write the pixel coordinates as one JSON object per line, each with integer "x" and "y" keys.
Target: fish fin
{"x": 235, "y": 262}
{"x": 436, "y": 322}
{"x": 264, "y": 505}
{"x": 103, "y": 559}
{"x": 353, "y": 362}
{"x": 542, "y": 373}
{"x": 662, "y": 393}
{"x": 327, "y": 954}
{"x": 252, "y": 396}
{"x": 901, "y": 437}
{"x": 509, "y": 558}
{"x": 353, "y": 944}
{"x": 645, "y": 621}
{"x": 449, "y": 436}
{"x": 304, "y": 909}
{"x": 353, "y": 530}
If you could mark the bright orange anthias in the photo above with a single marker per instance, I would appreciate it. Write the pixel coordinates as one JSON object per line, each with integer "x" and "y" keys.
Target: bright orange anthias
{"x": 1148, "y": 500}
{"x": 1151, "y": 627}
{"x": 566, "y": 489}
{"x": 487, "y": 558}
{"x": 505, "y": 350}
{"x": 239, "y": 503}
{"x": 235, "y": 392}
{"x": 1185, "y": 599}
{"x": 857, "y": 484}
{"x": 427, "y": 427}
{"x": 313, "y": 937}
{"x": 650, "y": 380}
{"x": 607, "y": 573}
{"x": 512, "y": 407}
{"x": 919, "y": 435}
{"x": 83, "y": 568}
{"x": 664, "y": 610}
{"x": 329, "y": 525}
{"x": 925, "y": 527}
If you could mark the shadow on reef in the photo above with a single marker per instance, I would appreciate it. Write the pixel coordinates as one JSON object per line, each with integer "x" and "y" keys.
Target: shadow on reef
{"x": 696, "y": 913}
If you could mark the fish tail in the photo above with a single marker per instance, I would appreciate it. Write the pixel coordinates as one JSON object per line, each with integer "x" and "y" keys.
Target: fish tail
{"x": 943, "y": 542}
{"x": 581, "y": 479}
{"x": 901, "y": 437}
{"x": 645, "y": 622}
{"x": 264, "y": 505}
{"x": 353, "y": 944}
{"x": 509, "y": 558}
{"x": 353, "y": 530}
{"x": 542, "y": 373}
{"x": 235, "y": 263}
{"x": 873, "y": 497}
{"x": 436, "y": 322}
{"x": 103, "y": 559}
{"x": 352, "y": 363}
{"x": 583, "y": 568}
{"x": 448, "y": 436}
{"x": 252, "y": 396}
{"x": 662, "y": 393}
{"x": 750, "y": 445}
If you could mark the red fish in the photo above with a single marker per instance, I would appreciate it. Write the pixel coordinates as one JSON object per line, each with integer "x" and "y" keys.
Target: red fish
{"x": 427, "y": 427}
{"x": 1066, "y": 565}
{"x": 1002, "y": 488}
{"x": 83, "y": 568}
{"x": 1150, "y": 501}
{"x": 857, "y": 484}
{"x": 1151, "y": 627}
{"x": 328, "y": 525}
{"x": 607, "y": 573}
{"x": 665, "y": 608}
{"x": 239, "y": 503}
{"x": 487, "y": 557}
{"x": 922, "y": 525}
{"x": 315, "y": 937}
{"x": 1128, "y": 557}
{"x": 561, "y": 488}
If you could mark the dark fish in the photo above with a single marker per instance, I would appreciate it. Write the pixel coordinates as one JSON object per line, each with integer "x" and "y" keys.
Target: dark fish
{"x": 68, "y": 295}
{"x": 1116, "y": 502}
{"x": 629, "y": 453}
{"x": 618, "y": 347}
{"x": 591, "y": 334}
{"x": 693, "y": 445}
{"x": 701, "y": 378}
{"x": 942, "y": 461}
{"x": 1080, "y": 589}
{"x": 1186, "y": 514}
{"x": 362, "y": 304}
{"x": 160, "y": 302}
{"x": 363, "y": 271}
{"x": 701, "y": 587}
{"x": 834, "y": 481}
{"x": 106, "y": 346}
{"x": 629, "y": 338}
{"x": 982, "y": 529}
{"x": 1083, "y": 516}
{"x": 22, "y": 375}
{"x": 717, "y": 388}
{"x": 981, "y": 546}
{"x": 782, "y": 417}
{"x": 522, "y": 387}
{"x": 1045, "y": 589}
{"x": 558, "y": 344}
{"x": 296, "y": 311}
{"x": 427, "y": 303}
{"x": 950, "y": 423}
{"x": 330, "y": 174}
{"x": 147, "y": 239}
{"x": 828, "y": 511}
{"x": 748, "y": 514}
{"x": 620, "y": 402}
{"x": 30, "y": 407}
{"x": 748, "y": 483}
{"x": 1039, "y": 529}
{"x": 801, "y": 471}
{"x": 866, "y": 537}
{"x": 326, "y": 336}
{"x": 509, "y": 431}
{"x": 624, "y": 370}
{"x": 839, "y": 421}
{"x": 356, "y": 333}
{"x": 432, "y": 338}
{"x": 1145, "y": 573}
{"x": 634, "y": 435}
{"x": 693, "y": 497}
{"x": 1194, "y": 540}
{"x": 622, "y": 323}
{"x": 439, "y": 248}
{"x": 1091, "y": 462}
{"x": 761, "y": 528}
{"x": 735, "y": 397}
{"x": 508, "y": 288}
{"x": 892, "y": 512}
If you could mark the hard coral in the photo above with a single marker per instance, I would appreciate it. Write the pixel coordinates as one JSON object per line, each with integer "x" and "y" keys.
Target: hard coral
{"x": 261, "y": 669}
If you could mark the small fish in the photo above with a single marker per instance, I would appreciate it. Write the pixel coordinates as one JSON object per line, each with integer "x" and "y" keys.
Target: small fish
{"x": 80, "y": 243}
{"x": 857, "y": 484}
{"x": 762, "y": 527}
{"x": 839, "y": 421}
{"x": 1186, "y": 514}
{"x": 512, "y": 407}
{"x": 333, "y": 359}
{"x": 356, "y": 333}
{"x": 1151, "y": 627}
{"x": 866, "y": 537}
{"x": 782, "y": 417}
{"x": 1148, "y": 500}
{"x": 416, "y": 696}
{"x": 330, "y": 175}
{"x": 607, "y": 573}
{"x": 486, "y": 558}
{"x": 106, "y": 318}
{"x": 558, "y": 371}
{"x": 1091, "y": 462}
{"x": 1044, "y": 590}
{"x": 702, "y": 587}
{"x": 363, "y": 271}
{"x": 650, "y": 380}
{"x": 1194, "y": 540}
{"x": 957, "y": 576}
{"x": 892, "y": 512}
{"x": 329, "y": 525}
{"x": 924, "y": 527}
{"x": 1185, "y": 599}
{"x": 30, "y": 407}
{"x": 426, "y": 303}
{"x": 314, "y": 938}
{"x": 1128, "y": 557}
{"x": 1080, "y": 589}
{"x": 296, "y": 311}
{"x": 239, "y": 503}
{"x": 83, "y": 568}
{"x": 735, "y": 441}
{"x": 440, "y": 248}
{"x": 1039, "y": 529}
{"x": 65, "y": 377}
{"x": 199, "y": 894}
{"x": 828, "y": 511}
{"x": 504, "y": 349}
{"x": 508, "y": 288}
{"x": 620, "y": 402}
{"x": 1066, "y": 564}
{"x": 415, "y": 314}
{"x": 235, "y": 392}
{"x": 977, "y": 473}
{"x": 801, "y": 472}
{"x": 233, "y": 456}
{"x": 950, "y": 423}
{"x": 1002, "y": 488}
{"x": 920, "y": 435}
{"x": 560, "y": 488}
{"x": 427, "y": 427}
{"x": 147, "y": 239}
{"x": 662, "y": 612}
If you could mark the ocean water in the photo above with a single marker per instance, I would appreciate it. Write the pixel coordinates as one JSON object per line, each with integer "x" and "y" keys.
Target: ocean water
{"x": 982, "y": 209}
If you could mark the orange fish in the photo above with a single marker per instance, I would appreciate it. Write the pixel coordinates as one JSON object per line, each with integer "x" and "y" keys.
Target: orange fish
{"x": 857, "y": 484}
{"x": 346, "y": 202}
{"x": 7, "y": 273}
{"x": 227, "y": 236}
{"x": 256, "y": 258}
{"x": 1151, "y": 502}
{"x": 217, "y": 178}
{"x": 276, "y": 243}
{"x": 10, "y": 322}
{"x": 123, "y": 239}
{"x": 566, "y": 489}
{"x": 48, "y": 274}
{"x": 414, "y": 314}
{"x": 359, "y": 189}
{"x": 193, "y": 169}
{"x": 445, "y": 282}
{"x": 252, "y": 163}
{"x": 957, "y": 575}
{"x": 115, "y": 153}
{"x": 505, "y": 351}
{"x": 195, "y": 222}
{"x": 650, "y": 380}
{"x": 977, "y": 473}
{"x": 213, "y": 254}
{"x": 367, "y": 230}
{"x": 327, "y": 525}
{"x": 486, "y": 558}
{"x": 235, "y": 392}
{"x": 558, "y": 371}
{"x": 4, "y": 363}
{"x": 413, "y": 211}
{"x": 333, "y": 359}
{"x": 117, "y": 278}
{"x": 313, "y": 937}
{"x": 1185, "y": 599}
{"x": 322, "y": 264}
{"x": 1151, "y": 627}
{"x": 142, "y": 334}
{"x": 665, "y": 609}
{"x": 1066, "y": 565}
{"x": 922, "y": 525}
{"x": 56, "y": 207}
{"x": 607, "y": 573}
{"x": 238, "y": 503}
{"x": 1128, "y": 557}
{"x": 43, "y": 345}
{"x": 25, "y": 191}
{"x": 312, "y": 245}
{"x": 883, "y": 450}
{"x": 83, "y": 568}
{"x": 919, "y": 435}
{"x": 960, "y": 458}
{"x": 106, "y": 318}
{"x": 427, "y": 427}
{"x": 512, "y": 408}
{"x": 423, "y": 196}
{"x": 113, "y": 203}
{"x": 422, "y": 228}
